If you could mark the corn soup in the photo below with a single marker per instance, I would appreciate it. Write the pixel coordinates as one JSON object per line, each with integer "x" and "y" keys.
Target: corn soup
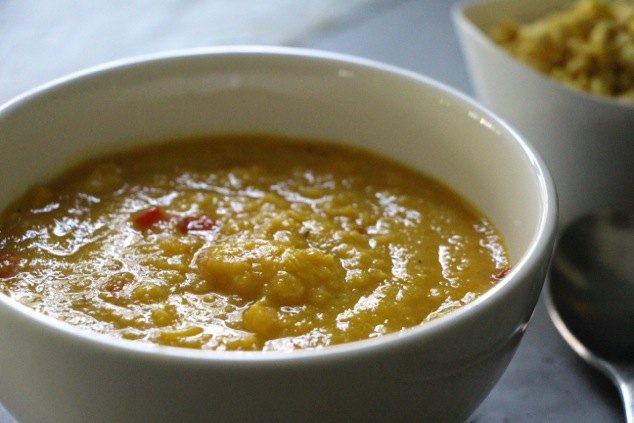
{"x": 246, "y": 243}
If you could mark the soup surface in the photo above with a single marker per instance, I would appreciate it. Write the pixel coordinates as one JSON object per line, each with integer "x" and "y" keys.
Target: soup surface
{"x": 246, "y": 243}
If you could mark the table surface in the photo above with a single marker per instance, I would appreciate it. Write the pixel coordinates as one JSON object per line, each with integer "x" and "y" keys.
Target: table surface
{"x": 42, "y": 40}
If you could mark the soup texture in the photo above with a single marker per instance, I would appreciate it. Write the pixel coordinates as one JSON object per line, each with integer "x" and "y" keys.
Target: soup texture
{"x": 246, "y": 243}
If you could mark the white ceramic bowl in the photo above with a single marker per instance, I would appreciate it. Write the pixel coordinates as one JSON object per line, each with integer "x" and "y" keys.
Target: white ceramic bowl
{"x": 440, "y": 371}
{"x": 587, "y": 141}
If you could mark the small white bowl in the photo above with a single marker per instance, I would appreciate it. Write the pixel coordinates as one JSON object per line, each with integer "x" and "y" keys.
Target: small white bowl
{"x": 587, "y": 141}
{"x": 440, "y": 371}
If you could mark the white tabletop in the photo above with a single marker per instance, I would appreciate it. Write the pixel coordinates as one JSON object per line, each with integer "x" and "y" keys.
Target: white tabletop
{"x": 41, "y": 40}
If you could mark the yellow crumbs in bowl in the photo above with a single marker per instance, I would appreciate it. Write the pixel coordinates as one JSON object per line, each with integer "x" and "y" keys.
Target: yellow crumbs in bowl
{"x": 246, "y": 243}
{"x": 588, "y": 46}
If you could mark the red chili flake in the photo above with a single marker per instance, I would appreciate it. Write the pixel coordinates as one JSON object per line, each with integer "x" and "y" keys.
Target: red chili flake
{"x": 150, "y": 217}
{"x": 503, "y": 273}
{"x": 116, "y": 282}
{"x": 9, "y": 265}
{"x": 115, "y": 286}
{"x": 200, "y": 223}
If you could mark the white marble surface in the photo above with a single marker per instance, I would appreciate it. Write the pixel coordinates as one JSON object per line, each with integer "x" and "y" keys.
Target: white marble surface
{"x": 41, "y": 40}
{"x": 44, "y": 39}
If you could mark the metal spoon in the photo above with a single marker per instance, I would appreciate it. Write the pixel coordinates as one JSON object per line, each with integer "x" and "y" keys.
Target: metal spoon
{"x": 590, "y": 296}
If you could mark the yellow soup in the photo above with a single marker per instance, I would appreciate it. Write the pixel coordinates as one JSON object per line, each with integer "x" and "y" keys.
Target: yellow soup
{"x": 246, "y": 243}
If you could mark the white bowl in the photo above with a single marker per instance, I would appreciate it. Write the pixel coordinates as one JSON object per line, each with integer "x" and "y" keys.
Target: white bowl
{"x": 587, "y": 141}
{"x": 440, "y": 371}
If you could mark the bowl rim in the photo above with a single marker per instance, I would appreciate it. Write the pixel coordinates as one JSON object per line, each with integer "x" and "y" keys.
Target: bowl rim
{"x": 540, "y": 244}
{"x": 465, "y": 24}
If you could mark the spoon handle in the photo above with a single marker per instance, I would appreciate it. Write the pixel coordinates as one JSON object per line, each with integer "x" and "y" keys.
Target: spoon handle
{"x": 623, "y": 375}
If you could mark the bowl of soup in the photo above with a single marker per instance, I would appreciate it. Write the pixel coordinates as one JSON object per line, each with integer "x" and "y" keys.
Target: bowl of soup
{"x": 560, "y": 72}
{"x": 262, "y": 234}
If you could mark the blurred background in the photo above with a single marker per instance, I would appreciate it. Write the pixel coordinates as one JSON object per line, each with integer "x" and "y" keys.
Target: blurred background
{"x": 44, "y": 39}
{"x": 41, "y": 40}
